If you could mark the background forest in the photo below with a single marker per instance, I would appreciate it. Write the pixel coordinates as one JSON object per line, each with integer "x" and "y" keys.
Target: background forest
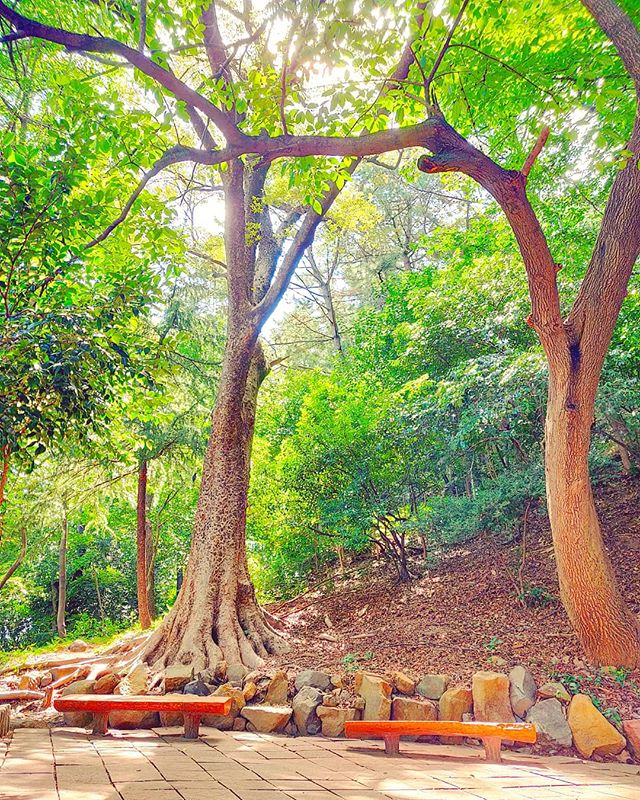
{"x": 403, "y": 413}
{"x": 403, "y": 410}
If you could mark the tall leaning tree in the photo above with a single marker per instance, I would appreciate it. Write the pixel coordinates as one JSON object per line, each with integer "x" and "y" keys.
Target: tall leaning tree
{"x": 256, "y": 73}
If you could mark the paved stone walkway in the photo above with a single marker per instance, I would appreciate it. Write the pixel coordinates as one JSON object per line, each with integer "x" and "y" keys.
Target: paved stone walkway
{"x": 69, "y": 764}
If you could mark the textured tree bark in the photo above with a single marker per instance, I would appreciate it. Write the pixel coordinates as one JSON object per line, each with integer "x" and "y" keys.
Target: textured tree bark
{"x": 216, "y": 614}
{"x": 606, "y": 627}
{"x": 62, "y": 579}
{"x": 144, "y": 615}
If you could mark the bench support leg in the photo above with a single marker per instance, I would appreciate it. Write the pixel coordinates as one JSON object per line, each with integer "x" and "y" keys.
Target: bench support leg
{"x": 392, "y": 745}
{"x": 100, "y": 723}
{"x": 191, "y": 726}
{"x": 492, "y": 749}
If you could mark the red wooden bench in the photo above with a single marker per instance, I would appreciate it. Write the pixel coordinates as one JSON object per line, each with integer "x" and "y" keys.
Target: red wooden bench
{"x": 101, "y": 705}
{"x": 492, "y": 734}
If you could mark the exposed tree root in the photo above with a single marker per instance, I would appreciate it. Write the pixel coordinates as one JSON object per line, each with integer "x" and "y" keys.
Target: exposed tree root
{"x": 239, "y": 633}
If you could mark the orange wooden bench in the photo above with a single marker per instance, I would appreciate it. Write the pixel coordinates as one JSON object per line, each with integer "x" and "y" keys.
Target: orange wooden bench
{"x": 492, "y": 734}
{"x": 101, "y": 705}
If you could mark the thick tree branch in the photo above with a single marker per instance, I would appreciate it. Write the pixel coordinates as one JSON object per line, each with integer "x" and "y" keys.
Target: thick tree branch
{"x": 621, "y": 31}
{"x": 302, "y": 240}
{"x": 596, "y": 308}
{"x": 215, "y": 47}
{"x": 453, "y": 153}
{"x": 99, "y": 44}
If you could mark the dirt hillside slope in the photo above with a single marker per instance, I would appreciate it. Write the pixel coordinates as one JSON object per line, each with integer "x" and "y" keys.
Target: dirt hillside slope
{"x": 464, "y": 613}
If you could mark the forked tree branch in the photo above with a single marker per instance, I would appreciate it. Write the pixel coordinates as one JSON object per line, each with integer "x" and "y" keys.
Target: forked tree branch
{"x": 173, "y": 156}
{"x": 302, "y": 239}
{"x": 453, "y": 153}
{"x": 306, "y": 232}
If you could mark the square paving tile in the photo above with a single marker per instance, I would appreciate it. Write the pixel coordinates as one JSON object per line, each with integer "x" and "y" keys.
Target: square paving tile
{"x": 148, "y": 765}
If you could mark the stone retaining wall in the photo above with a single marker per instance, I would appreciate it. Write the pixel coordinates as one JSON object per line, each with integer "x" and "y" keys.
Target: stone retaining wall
{"x": 313, "y": 702}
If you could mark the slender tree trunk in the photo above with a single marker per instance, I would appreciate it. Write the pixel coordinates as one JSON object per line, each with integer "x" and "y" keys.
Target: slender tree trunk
{"x": 621, "y": 433}
{"x": 144, "y": 616}
{"x": 96, "y": 583}
{"x": 341, "y": 558}
{"x": 21, "y": 556}
{"x": 404, "y": 574}
{"x": 327, "y": 298}
{"x": 150, "y": 559}
{"x": 62, "y": 578}
{"x": 4, "y": 476}
{"x": 54, "y": 598}
{"x": 216, "y": 614}
{"x": 604, "y": 623}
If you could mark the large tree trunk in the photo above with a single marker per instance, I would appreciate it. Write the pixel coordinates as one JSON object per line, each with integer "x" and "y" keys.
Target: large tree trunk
{"x": 605, "y": 626}
{"x": 144, "y": 615}
{"x": 216, "y": 615}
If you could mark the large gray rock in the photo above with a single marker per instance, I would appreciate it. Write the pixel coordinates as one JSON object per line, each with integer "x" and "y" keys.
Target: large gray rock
{"x": 334, "y": 719}
{"x": 137, "y": 681}
{"x": 236, "y": 673}
{"x": 225, "y": 722}
{"x": 522, "y": 690}
{"x": 433, "y": 686}
{"x": 550, "y": 721}
{"x": 176, "y": 676}
{"x": 78, "y": 719}
{"x": 278, "y": 689}
{"x": 314, "y": 678}
{"x": 267, "y": 719}
{"x": 376, "y": 693}
{"x": 305, "y": 703}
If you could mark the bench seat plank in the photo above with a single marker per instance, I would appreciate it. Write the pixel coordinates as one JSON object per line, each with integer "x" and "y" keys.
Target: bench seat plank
{"x": 491, "y": 733}
{"x": 191, "y": 706}
{"x": 188, "y": 703}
